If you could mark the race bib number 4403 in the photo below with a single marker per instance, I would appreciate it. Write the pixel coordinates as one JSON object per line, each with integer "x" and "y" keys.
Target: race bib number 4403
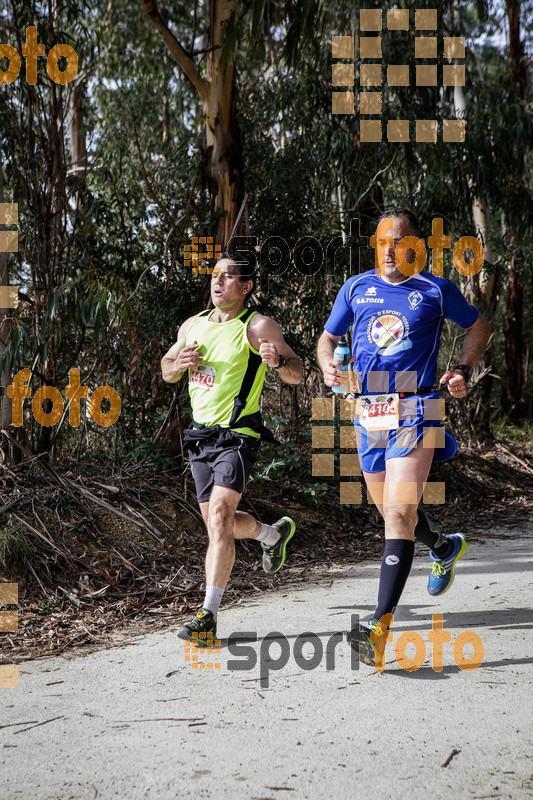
{"x": 203, "y": 377}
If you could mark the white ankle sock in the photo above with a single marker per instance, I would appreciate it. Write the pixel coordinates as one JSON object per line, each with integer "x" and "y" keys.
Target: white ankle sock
{"x": 213, "y": 597}
{"x": 268, "y": 535}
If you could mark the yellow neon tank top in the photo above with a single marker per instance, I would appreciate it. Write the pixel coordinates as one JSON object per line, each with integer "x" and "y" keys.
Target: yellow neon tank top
{"x": 214, "y": 386}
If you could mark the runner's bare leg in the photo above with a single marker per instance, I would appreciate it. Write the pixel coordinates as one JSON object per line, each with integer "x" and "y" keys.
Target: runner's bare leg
{"x": 244, "y": 525}
{"x": 397, "y": 491}
{"x": 224, "y": 524}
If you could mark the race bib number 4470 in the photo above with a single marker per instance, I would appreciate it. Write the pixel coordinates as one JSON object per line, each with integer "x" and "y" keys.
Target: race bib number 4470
{"x": 379, "y": 411}
{"x": 203, "y": 377}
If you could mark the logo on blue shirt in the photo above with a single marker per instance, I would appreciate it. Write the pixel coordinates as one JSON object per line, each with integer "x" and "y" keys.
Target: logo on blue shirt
{"x": 415, "y": 298}
{"x": 389, "y": 332}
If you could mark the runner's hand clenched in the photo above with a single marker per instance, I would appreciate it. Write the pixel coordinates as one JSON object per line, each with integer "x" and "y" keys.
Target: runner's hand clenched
{"x": 268, "y": 353}
{"x": 331, "y": 374}
{"x": 189, "y": 357}
{"x": 456, "y": 382}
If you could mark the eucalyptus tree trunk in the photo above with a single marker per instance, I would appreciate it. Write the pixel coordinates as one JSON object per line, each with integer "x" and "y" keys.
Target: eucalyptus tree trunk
{"x": 481, "y": 290}
{"x": 216, "y": 93}
{"x": 480, "y": 287}
{"x": 78, "y": 147}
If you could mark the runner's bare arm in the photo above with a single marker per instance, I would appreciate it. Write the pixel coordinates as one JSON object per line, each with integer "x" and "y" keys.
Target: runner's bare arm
{"x": 266, "y": 336}
{"x": 179, "y": 357}
{"x": 474, "y": 343}
{"x": 324, "y": 353}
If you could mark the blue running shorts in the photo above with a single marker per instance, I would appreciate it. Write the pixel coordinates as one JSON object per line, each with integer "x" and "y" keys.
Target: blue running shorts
{"x": 417, "y": 415}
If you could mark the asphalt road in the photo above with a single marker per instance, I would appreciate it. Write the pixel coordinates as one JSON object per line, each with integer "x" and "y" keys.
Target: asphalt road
{"x": 138, "y": 721}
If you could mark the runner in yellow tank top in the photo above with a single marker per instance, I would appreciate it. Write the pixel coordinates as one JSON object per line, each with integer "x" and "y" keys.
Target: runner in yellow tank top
{"x": 214, "y": 384}
{"x": 226, "y": 352}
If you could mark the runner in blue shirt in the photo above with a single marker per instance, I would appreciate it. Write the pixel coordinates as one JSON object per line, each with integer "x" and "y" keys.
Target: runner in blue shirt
{"x": 397, "y": 324}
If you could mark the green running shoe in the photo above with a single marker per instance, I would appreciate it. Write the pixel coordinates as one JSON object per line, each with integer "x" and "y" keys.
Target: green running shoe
{"x": 204, "y": 627}
{"x": 274, "y": 557}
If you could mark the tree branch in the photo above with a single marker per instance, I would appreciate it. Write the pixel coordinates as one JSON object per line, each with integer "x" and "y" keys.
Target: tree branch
{"x": 179, "y": 53}
{"x": 151, "y": 191}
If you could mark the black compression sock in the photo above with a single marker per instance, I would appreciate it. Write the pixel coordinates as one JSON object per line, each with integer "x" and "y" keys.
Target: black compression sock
{"x": 395, "y": 568}
{"x": 425, "y": 532}
{"x": 444, "y": 550}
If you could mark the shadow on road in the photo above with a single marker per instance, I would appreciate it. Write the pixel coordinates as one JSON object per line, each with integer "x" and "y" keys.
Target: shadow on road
{"x": 426, "y": 672}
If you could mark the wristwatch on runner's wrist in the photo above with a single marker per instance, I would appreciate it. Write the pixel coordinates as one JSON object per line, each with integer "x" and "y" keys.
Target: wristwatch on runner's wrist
{"x": 466, "y": 370}
{"x": 282, "y": 361}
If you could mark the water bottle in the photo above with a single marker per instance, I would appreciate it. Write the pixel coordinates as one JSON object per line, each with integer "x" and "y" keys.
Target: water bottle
{"x": 342, "y": 354}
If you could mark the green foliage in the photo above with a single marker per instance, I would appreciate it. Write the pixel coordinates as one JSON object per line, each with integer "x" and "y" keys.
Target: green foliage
{"x": 280, "y": 463}
{"x": 285, "y": 467}
{"x": 14, "y": 545}
{"x": 103, "y": 287}
{"x": 160, "y": 454}
{"x": 511, "y": 433}
{"x": 48, "y": 604}
{"x": 314, "y": 492}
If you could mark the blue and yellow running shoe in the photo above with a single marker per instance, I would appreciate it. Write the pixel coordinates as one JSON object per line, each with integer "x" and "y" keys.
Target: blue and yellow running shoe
{"x": 442, "y": 572}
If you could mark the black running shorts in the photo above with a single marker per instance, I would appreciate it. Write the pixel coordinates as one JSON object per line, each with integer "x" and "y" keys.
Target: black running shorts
{"x": 222, "y": 460}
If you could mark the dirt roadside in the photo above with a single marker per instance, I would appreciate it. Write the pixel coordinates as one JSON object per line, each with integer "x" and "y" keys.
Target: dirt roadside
{"x": 139, "y": 585}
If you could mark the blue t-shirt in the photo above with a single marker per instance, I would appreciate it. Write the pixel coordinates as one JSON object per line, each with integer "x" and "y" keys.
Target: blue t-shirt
{"x": 397, "y": 326}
